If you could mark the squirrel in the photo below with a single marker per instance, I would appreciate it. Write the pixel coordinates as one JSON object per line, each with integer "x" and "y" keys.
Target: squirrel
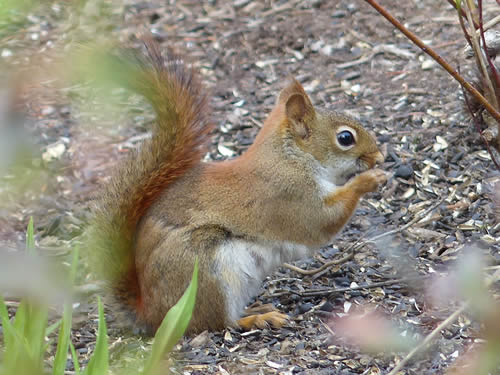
{"x": 287, "y": 196}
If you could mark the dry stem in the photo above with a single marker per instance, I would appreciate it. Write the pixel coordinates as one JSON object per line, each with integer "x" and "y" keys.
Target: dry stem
{"x": 436, "y": 57}
{"x": 480, "y": 58}
{"x": 319, "y": 269}
{"x": 493, "y": 69}
{"x": 445, "y": 323}
{"x": 454, "y": 5}
{"x": 491, "y": 23}
{"x": 330, "y": 291}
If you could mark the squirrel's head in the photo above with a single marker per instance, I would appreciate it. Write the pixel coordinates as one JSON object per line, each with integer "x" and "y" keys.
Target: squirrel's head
{"x": 339, "y": 143}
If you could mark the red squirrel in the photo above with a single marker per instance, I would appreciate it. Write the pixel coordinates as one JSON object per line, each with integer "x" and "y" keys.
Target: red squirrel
{"x": 288, "y": 195}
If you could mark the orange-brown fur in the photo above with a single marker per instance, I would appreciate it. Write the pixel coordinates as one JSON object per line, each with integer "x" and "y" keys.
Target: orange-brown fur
{"x": 270, "y": 204}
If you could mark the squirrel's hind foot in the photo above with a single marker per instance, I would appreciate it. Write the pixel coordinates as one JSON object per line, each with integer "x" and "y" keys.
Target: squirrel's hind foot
{"x": 274, "y": 319}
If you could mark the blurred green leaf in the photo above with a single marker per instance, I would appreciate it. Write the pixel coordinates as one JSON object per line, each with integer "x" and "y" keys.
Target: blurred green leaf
{"x": 74, "y": 356}
{"x": 11, "y": 7}
{"x": 37, "y": 320}
{"x": 99, "y": 362}
{"x": 63, "y": 341}
{"x": 25, "y": 339}
{"x": 174, "y": 325}
{"x": 7, "y": 326}
{"x": 13, "y": 15}
{"x": 65, "y": 331}
{"x": 52, "y": 328}
{"x": 30, "y": 237}
{"x": 20, "y": 318}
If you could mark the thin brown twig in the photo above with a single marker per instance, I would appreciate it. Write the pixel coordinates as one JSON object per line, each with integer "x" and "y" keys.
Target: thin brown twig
{"x": 445, "y": 323}
{"x": 484, "y": 60}
{"x": 480, "y": 59}
{"x": 436, "y": 57}
{"x": 361, "y": 60}
{"x": 488, "y": 25}
{"x": 454, "y": 5}
{"x": 461, "y": 17}
{"x": 319, "y": 269}
{"x": 328, "y": 264}
{"x": 471, "y": 5}
{"x": 493, "y": 69}
{"x": 327, "y": 327}
{"x": 407, "y": 225}
{"x": 330, "y": 291}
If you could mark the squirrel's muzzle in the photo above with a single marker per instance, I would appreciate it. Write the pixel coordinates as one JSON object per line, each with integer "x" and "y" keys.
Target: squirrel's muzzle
{"x": 373, "y": 158}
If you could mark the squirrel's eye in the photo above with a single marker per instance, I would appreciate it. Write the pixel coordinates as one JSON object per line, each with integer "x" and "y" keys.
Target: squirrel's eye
{"x": 346, "y": 138}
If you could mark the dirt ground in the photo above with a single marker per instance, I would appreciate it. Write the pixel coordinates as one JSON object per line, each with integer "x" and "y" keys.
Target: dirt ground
{"x": 349, "y": 59}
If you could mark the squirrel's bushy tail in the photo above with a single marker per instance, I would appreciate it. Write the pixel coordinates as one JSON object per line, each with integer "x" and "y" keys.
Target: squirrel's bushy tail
{"x": 179, "y": 140}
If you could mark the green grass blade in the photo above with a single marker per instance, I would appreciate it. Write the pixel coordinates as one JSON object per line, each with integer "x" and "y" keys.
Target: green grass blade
{"x": 31, "y": 318}
{"x": 21, "y": 317}
{"x": 52, "y": 328}
{"x": 65, "y": 331}
{"x": 8, "y": 339}
{"x": 30, "y": 237}
{"x": 63, "y": 341}
{"x": 15, "y": 357}
{"x": 74, "y": 356}
{"x": 25, "y": 345}
{"x": 174, "y": 324}
{"x": 74, "y": 265}
{"x": 11, "y": 6}
{"x": 11, "y": 344}
{"x": 99, "y": 363}
{"x": 35, "y": 332}
{"x": 24, "y": 339}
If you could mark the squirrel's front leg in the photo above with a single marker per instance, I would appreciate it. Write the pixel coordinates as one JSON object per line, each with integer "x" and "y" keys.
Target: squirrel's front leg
{"x": 343, "y": 201}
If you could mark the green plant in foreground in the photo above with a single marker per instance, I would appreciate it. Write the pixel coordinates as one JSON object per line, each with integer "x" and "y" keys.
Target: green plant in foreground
{"x": 99, "y": 362}
{"x": 24, "y": 339}
{"x": 25, "y": 344}
{"x": 64, "y": 341}
{"x": 173, "y": 326}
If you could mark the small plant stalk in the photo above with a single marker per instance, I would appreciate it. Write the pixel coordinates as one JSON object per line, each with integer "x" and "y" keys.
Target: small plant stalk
{"x": 480, "y": 58}
{"x": 482, "y": 29}
{"x": 494, "y": 73}
{"x": 436, "y": 57}
{"x": 488, "y": 80}
{"x": 454, "y": 5}
{"x": 495, "y": 114}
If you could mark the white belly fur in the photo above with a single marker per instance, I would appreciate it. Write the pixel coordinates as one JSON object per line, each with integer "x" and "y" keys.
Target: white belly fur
{"x": 242, "y": 265}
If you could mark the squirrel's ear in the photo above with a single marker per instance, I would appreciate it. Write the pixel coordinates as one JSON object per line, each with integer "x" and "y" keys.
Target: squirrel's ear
{"x": 299, "y": 113}
{"x": 298, "y": 108}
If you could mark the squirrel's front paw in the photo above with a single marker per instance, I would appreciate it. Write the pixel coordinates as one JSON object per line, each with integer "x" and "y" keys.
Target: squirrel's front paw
{"x": 369, "y": 180}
